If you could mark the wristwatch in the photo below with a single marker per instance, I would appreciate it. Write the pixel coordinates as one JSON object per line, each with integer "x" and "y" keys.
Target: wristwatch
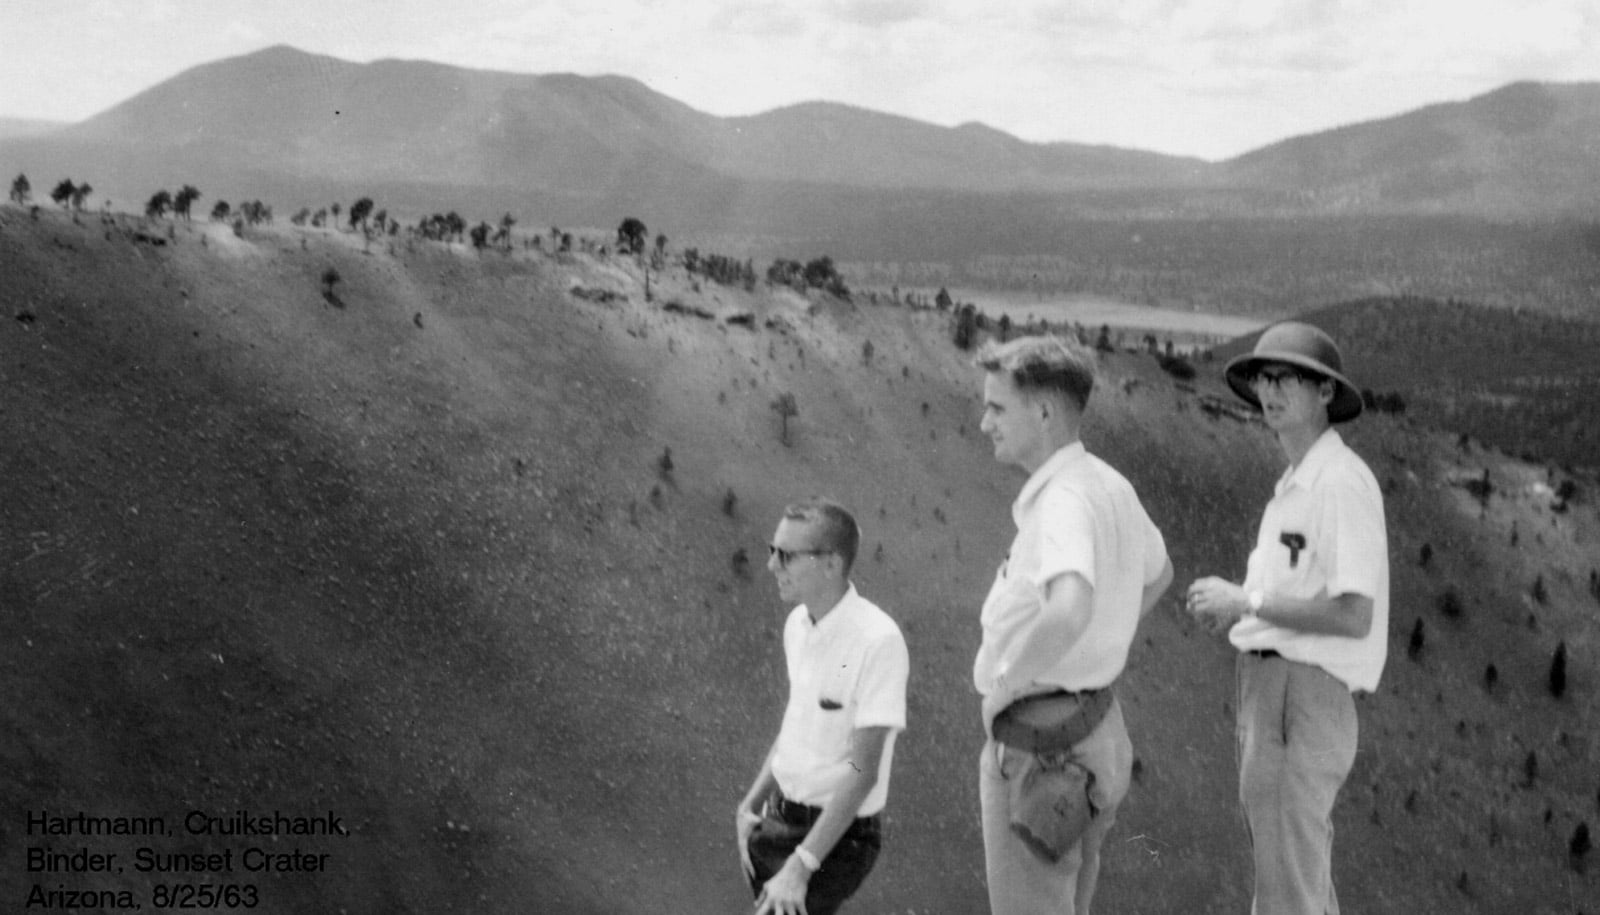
{"x": 1253, "y": 602}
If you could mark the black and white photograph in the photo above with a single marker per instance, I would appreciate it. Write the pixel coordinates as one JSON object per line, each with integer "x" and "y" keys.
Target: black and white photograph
{"x": 887, "y": 457}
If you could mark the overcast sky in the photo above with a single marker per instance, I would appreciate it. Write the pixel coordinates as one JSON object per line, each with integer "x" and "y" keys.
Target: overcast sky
{"x": 1211, "y": 78}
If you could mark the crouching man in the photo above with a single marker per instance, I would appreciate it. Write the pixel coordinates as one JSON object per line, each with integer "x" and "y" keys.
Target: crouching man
{"x": 810, "y": 827}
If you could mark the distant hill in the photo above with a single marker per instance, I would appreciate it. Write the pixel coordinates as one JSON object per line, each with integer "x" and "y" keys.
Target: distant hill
{"x": 402, "y": 547}
{"x": 1525, "y": 148}
{"x": 408, "y": 121}
{"x": 11, "y": 128}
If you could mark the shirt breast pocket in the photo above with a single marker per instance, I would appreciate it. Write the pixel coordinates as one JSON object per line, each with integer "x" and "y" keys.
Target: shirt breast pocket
{"x": 1296, "y": 561}
{"x": 835, "y": 700}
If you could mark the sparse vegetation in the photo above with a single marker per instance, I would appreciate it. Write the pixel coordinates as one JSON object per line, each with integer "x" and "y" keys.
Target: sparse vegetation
{"x": 360, "y": 211}
{"x": 21, "y": 190}
{"x": 631, "y": 235}
{"x": 1558, "y": 671}
{"x": 1178, "y": 367}
{"x": 819, "y": 273}
{"x": 158, "y": 204}
{"x": 964, "y": 327}
{"x": 786, "y": 408}
{"x": 62, "y": 193}
{"x": 184, "y": 200}
{"x": 1450, "y": 605}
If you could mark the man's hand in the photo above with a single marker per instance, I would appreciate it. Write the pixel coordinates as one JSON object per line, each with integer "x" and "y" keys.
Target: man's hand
{"x": 785, "y": 893}
{"x": 1216, "y": 602}
{"x": 744, "y": 823}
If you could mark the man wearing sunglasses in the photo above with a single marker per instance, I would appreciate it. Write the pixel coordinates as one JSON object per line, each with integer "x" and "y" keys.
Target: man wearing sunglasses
{"x": 1310, "y": 620}
{"x": 809, "y": 828}
{"x": 1086, "y": 564}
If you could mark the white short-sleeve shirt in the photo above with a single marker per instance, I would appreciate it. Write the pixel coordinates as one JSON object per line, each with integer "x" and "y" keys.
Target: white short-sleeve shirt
{"x": 1076, "y": 514}
{"x": 846, "y": 671}
{"x": 1323, "y": 534}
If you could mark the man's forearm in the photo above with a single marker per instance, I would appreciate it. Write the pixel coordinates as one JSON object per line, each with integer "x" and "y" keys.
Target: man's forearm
{"x": 763, "y": 786}
{"x": 1348, "y": 615}
{"x": 866, "y": 754}
{"x": 838, "y": 814}
{"x": 1063, "y": 616}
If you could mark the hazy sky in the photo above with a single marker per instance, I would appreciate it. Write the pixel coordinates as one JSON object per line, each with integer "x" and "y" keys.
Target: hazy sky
{"x": 1211, "y": 78}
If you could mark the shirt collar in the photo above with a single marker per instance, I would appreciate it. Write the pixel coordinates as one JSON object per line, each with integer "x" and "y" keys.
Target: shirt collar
{"x": 1316, "y": 458}
{"x": 841, "y": 609}
{"x": 1064, "y": 456}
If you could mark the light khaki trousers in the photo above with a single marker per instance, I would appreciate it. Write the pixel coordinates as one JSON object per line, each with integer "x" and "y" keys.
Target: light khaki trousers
{"x": 1296, "y": 742}
{"x": 1020, "y": 882}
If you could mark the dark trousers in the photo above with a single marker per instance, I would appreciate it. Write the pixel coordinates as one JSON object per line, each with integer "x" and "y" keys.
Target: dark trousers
{"x": 782, "y": 830}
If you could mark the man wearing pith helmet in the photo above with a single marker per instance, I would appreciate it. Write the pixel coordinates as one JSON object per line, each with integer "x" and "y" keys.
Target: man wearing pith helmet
{"x": 1310, "y": 620}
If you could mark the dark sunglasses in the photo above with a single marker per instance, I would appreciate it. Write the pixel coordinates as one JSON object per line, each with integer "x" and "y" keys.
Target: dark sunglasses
{"x": 787, "y": 556}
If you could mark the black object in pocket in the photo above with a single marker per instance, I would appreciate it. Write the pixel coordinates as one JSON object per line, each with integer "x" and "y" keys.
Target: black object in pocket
{"x": 830, "y": 705}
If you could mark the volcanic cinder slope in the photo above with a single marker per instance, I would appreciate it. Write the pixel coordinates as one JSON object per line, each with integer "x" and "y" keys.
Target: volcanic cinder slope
{"x": 405, "y": 550}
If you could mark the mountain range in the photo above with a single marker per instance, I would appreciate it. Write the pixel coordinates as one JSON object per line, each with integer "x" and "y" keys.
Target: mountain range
{"x": 288, "y": 125}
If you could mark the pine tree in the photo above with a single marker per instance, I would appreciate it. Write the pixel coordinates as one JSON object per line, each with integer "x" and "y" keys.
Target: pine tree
{"x": 1558, "y": 671}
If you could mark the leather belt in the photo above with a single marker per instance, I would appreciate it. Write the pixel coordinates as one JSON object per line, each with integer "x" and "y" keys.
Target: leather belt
{"x": 797, "y": 814}
{"x": 1025, "y": 724}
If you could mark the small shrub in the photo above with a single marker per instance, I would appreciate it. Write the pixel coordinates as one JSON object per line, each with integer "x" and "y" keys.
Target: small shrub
{"x": 1558, "y": 671}
{"x": 1414, "y": 645}
{"x": 1538, "y": 591}
{"x": 730, "y": 502}
{"x": 1579, "y": 845}
{"x": 1530, "y": 769}
{"x": 1426, "y": 556}
{"x": 1178, "y": 367}
{"x": 741, "y": 563}
{"x": 1491, "y": 675}
{"x": 1450, "y": 604}
{"x": 665, "y": 461}
{"x": 786, "y": 407}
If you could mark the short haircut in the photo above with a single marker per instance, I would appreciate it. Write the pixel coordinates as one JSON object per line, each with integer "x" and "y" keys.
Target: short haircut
{"x": 1043, "y": 363}
{"x": 836, "y": 528}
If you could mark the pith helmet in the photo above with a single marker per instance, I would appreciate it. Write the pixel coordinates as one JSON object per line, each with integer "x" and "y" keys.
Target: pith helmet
{"x": 1294, "y": 343}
